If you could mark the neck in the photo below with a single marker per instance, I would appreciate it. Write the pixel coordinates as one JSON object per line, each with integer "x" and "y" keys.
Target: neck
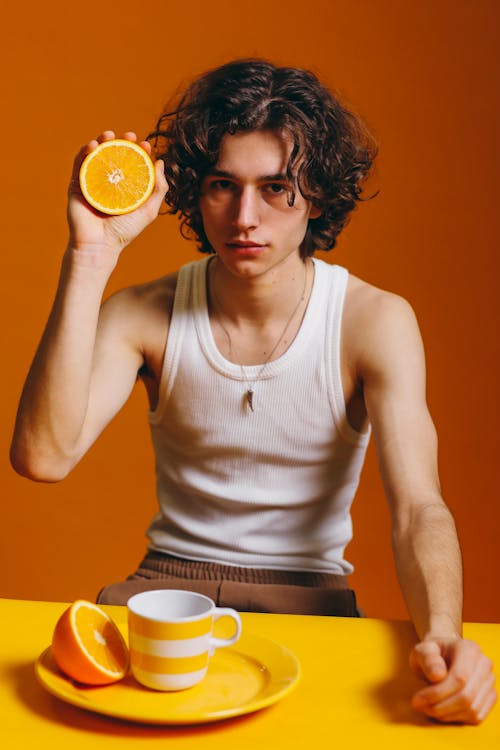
{"x": 263, "y": 321}
{"x": 259, "y": 300}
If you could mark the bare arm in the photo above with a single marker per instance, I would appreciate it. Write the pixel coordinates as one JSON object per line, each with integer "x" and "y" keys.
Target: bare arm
{"x": 87, "y": 361}
{"x": 426, "y": 548}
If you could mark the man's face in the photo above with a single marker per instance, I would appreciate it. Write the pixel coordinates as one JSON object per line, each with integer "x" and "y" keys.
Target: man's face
{"x": 244, "y": 204}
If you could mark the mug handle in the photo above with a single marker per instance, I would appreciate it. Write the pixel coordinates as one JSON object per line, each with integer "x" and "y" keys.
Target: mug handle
{"x": 222, "y": 642}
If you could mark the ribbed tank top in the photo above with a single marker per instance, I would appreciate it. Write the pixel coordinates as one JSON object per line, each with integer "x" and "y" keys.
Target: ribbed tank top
{"x": 270, "y": 488}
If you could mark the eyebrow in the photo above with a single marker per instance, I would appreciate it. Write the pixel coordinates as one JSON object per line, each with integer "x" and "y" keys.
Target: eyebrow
{"x": 278, "y": 177}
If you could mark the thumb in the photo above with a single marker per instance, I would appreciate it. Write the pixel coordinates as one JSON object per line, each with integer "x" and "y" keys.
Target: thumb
{"x": 150, "y": 209}
{"x": 161, "y": 186}
{"x": 427, "y": 661}
{"x": 161, "y": 183}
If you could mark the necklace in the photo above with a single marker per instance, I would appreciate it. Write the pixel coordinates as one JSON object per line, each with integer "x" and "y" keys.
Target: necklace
{"x": 249, "y": 394}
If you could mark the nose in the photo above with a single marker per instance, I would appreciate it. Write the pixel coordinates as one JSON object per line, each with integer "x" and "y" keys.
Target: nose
{"x": 246, "y": 210}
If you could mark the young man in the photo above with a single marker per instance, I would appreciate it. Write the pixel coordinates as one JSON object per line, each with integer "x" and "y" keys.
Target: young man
{"x": 266, "y": 371}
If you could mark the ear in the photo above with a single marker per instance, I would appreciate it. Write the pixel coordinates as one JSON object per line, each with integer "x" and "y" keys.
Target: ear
{"x": 315, "y": 213}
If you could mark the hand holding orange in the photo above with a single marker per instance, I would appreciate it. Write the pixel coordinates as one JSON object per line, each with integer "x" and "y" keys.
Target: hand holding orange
{"x": 88, "y": 647}
{"x": 117, "y": 177}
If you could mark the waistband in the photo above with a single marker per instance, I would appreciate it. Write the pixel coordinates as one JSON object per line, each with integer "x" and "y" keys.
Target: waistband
{"x": 157, "y": 564}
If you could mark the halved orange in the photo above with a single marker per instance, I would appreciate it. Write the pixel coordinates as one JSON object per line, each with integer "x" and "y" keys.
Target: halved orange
{"x": 87, "y": 645}
{"x": 117, "y": 177}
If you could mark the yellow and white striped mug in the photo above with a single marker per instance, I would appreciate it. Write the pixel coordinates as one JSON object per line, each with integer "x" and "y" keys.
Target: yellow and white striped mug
{"x": 171, "y": 637}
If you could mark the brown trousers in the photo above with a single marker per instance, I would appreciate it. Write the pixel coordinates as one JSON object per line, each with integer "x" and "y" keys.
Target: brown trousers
{"x": 244, "y": 589}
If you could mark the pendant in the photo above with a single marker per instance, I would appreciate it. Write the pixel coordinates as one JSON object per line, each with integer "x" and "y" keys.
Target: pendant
{"x": 250, "y": 398}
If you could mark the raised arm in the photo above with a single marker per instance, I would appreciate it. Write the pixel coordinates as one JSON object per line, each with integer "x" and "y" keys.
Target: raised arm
{"x": 426, "y": 548}
{"x": 88, "y": 358}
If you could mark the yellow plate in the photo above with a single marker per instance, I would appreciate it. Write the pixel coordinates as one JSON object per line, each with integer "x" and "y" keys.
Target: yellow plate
{"x": 245, "y": 678}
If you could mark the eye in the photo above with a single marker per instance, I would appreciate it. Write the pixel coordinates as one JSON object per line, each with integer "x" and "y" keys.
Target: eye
{"x": 275, "y": 188}
{"x": 221, "y": 184}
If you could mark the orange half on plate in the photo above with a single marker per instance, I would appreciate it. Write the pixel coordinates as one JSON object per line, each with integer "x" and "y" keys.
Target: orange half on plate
{"x": 88, "y": 646}
{"x": 253, "y": 674}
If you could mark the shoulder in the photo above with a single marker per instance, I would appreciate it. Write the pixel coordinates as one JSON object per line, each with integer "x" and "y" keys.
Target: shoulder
{"x": 380, "y": 328}
{"x": 367, "y": 303}
{"x": 140, "y": 315}
{"x": 143, "y": 300}
{"x": 154, "y": 297}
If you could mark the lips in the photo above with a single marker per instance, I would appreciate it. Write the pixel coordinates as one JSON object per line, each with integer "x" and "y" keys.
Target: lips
{"x": 244, "y": 244}
{"x": 245, "y": 248}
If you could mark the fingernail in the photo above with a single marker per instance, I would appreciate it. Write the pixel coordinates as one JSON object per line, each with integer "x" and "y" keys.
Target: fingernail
{"x": 436, "y": 674}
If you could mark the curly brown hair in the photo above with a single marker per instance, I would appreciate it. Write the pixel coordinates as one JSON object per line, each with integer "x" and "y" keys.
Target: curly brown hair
{"x": 332, "y": 149}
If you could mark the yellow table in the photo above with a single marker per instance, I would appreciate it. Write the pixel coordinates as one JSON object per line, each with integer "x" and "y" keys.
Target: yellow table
{"x": 353, "y": 693}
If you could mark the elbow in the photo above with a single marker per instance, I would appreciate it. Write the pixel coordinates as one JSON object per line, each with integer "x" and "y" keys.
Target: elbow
{"x": 36, "y": 468}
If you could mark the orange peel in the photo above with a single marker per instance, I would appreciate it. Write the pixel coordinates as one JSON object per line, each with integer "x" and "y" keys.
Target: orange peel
{"x": 88, "y": 646}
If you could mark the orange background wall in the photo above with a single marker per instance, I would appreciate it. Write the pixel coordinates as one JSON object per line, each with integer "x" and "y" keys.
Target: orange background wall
{"x": 425, "y": 77}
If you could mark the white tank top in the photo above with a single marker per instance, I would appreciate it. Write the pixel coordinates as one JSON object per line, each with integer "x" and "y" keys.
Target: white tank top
{"x": 270, "y": 488}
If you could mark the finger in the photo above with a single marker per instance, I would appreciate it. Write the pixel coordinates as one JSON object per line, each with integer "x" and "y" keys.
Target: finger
{"x": 129, "y": 135}
{"x": 161, "y": 185}
{"x": 160, "y": 189}
{"x": 430, "y": 695}
{"x": 469, "y": 670}
{"x": 427, "y": 661}
{"x": 106, "y": 135}
{"x": 469, "y": 709}
{"x": 153, "y": 204}
{"x": 469, "y": 698}
{"x": 463, "y": 709}
{"x": 481, "y": 710}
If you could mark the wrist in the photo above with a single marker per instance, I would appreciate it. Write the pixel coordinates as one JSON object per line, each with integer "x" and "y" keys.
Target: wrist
{"x": 442, "y": 626}
{"x": 91, "y": 257}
